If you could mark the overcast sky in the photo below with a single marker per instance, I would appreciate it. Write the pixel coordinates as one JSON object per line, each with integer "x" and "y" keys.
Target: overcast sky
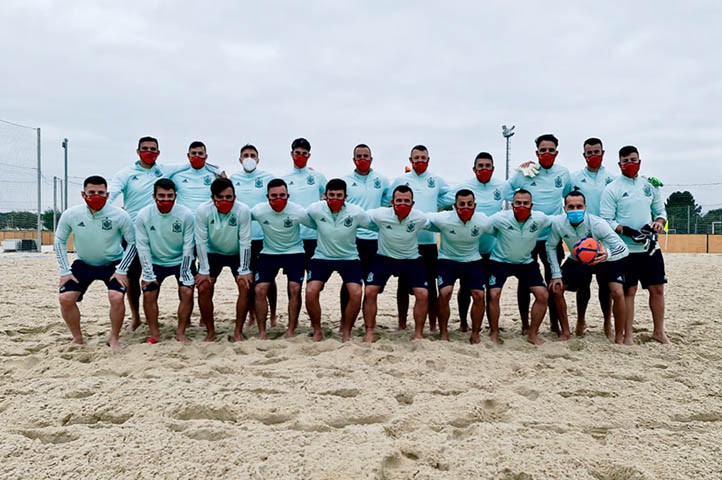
{"x": 390, "y": 74}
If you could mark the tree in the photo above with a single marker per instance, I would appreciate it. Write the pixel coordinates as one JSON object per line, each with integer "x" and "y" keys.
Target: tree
{"x": 683, "y": 212}
{"x": 47, "y": 218}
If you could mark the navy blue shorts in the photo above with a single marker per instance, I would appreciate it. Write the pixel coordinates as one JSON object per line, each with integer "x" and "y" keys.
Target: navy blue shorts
{"x": 321, "y": 270}
{"x": 527, "y": 273}
{"x": 161, "y": 273}
{"x": 471, "y": 274}
{"x": 217, "y": 261}
{"x": 644, "y": 268}
{"x": 293, "y": 265}
{"x": 87, "y": 274}
{"x": 410, "y": 271}
{"x": 576, "y": 274}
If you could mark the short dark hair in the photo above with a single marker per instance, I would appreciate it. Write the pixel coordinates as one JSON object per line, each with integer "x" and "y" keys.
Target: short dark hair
{"x": 464, "y": 192}
{"x": 593, "y": 141}
{"x": 301, "y": 143}
{"x": 402, "y": 189}
{"x": 276, "y": 182}
{"x": 421, "y": 148}
{"x": 576, "y": 192}
{"x": 94, "y": 180}
{"x": 147, "y": 139}
{"x": 547, "y": 137}
{"x": 220, "y": 184}
{"x": 628, "y": 150}
{"x": 361, "y": 145}
{"x": 336, "y": 184}
{"x": 522, "y": 191}
{"x": 165, "y": 184}
{"x": 485, "y": 155}
{"x": 197, "y": 144}
{"x": 248, "y": 146}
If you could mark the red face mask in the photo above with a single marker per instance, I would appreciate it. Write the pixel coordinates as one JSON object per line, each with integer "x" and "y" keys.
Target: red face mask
{"x": 484, "y": 175}
{"x": 197, "y": 162}
{"x": 363, "y": 165}
{"x": 335, "y": 204}
{"x": 278, "y": 204}
{"x": 224, "y": 206}
{"x": 522, "y": 214}
{"x": 630, "y": 169}
{"x": 420, "y": 167}
{"x": 465, "y": 214}
{"x": 149, "y": 158}
{"x": 546, "y": 160}
{"x": 300, "y": 161}
{"x": 402, "y": 210}
{"x": 95, "y": 202}
{"x": 594, "y": 161}
{"x": 165, "y": 206}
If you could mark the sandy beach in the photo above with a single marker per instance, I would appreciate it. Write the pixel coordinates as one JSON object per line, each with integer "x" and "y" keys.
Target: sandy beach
{"x": 396, "y": 409}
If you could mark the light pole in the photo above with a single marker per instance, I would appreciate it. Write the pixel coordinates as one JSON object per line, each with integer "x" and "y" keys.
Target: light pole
{"x": 507, "y": 133}
{"x": 65, "y": 185}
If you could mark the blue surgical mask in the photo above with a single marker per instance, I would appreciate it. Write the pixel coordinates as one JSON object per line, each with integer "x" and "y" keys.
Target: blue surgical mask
{"x": 575, "y": 217}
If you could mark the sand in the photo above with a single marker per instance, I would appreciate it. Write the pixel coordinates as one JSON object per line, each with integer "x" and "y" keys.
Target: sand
{"x": 396, "y": 409}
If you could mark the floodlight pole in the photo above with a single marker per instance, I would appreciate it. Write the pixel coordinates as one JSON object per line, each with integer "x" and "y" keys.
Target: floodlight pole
{"x": 65, "y": 193}
{"x": 507, "y": 133}
{"x": 40, "y": 220}
{"x": 55, "y": 202}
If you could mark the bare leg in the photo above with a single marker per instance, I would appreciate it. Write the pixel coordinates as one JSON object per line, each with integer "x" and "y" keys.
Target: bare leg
{"x": 150, "y": 308}
{"x": 629, "y": 295}
{"x": 272, "y": 299}
{"x": 477, "y": 316}
{"x": 522, "y": 296}
{"x": 494, "y": 311}
{"x": 463, "y": 300}
{"x": 185, "y": 307}
{"x": 241, "y": 310}
{"x": 421, "y": 309}
{"x": 117, "y": 315}
{"x": 444, "y": 311}
{"x": 71, "y": 314}
{"x": 133, "y": 295}
{"x": 538, "y": 310}
{"x": 370, "y": 310}
{"x": 261, "y": 291}
{"x": 343, "y": 303}
{"x": 352, "y": 309}
{"x": 402, "y": 302}
{"x": 583, "y": 296}
{"x": 561, "y": 308}
{"x": 433, "y": 302}
{"x": 294, "y": 307}
{"x": 656, "y": 304}
{"x": 616, "y": 292}
{"x": 313, "y": 307}
{"x": 205, "y": 305}
{"x": 605, "y": 302}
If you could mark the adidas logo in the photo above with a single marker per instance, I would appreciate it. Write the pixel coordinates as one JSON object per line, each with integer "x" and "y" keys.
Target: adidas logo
{"x": 453, "y": 232}
{"x": 533, "y": 184}
{"x": 354, "y": 184}
{"x": 291, "y": 182}
{"x": 212, "y": 222}
{"x": 510, "y": 227}
{"x": 81, "y": 224}
{"x": 152, "y": 228}
{"x": 323, "y": 219}
{"x": 265, "y": 222}
{"x": 388, "y": 227}
{"x": 625, "y": 194}
{"x": 584, "y": 180}
{"x": 185, "y": 180}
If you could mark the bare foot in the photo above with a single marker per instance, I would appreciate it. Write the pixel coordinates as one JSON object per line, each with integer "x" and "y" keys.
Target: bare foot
{"x": 77, "y": 341}
{"x": 289, "y": 334}
{"x": 402, "y": 325}
{"x": 464, "y": 327}
{"x": 661, "y": 338}
{"x": 317, "y": 336}
{"x": 134, "y": 324}
{"x": 525, "y": 328}
{"x": 182, "y": 338}
{"x": 564, "y": 336}
{"x": 262, "y": 335}
{"x": 444, "y": 336}
{"x": 494, "y": 336}
{"x": 417, "y": 336}
{"x": 581, "y": 326}
{"x": 369, "y": 337}
{"x": 629, "y": 340}
{"x": 210, "y": 337}
{"x": 345, "y": 336}
{"x": 532, "y": 338}
{"x": 619, "y": 339}
{"x": 274, "y": 321}
{"x": 608, "y": 331}
{"x": 114, "y": 345}
{"x": 474, "y": 339}
{"x": 432, "y": 327}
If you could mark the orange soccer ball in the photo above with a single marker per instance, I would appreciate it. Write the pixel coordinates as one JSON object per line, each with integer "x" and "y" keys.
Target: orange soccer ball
{"x": 586, "y": 250}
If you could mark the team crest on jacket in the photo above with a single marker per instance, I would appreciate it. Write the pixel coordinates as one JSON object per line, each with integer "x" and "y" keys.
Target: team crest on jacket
{"x": 207, "y": 180}
{"x": 534, "y": 227}
{"x": 475, "y": 232}
{"x": 347, "y": 222}
{"x": 377, "y": 183}
{"x": 558, "y": 182}
{"x": 176, "y": 227}
{"x": 259, "y": 183}
{"x": 233, "y": 220}
{"x": 107, "y": 224}
{"x": 310, "y": 180}
{"x": 647, "y": 191}
{"x": 287, "y": 223}
{"x": 431, "y": 182}
{"x": 410, "y": 227}
{"x": 497, "y": 194}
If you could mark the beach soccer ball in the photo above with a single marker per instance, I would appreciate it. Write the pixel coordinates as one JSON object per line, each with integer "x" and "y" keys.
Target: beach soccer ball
{"x": 586, "y": 250}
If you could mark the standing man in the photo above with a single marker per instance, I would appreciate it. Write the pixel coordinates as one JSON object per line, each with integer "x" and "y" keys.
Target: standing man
{"x": 281, "y": 222}
{"x": 194, "y": 179}
{"x": 398, "y": 255}
{"x": 98, "y": 231}
{"x": 591, "y": 181}
{"x": 164, "y": 236}
{"x": 548, "y": 187}
{"x": 135, "y": 184}
{"x": 368, "y": 189}
{"x": 608, "y": 267}
{"x": 517, "y": 234}
{"x": 632, "y": 205}
{"x": 489, "y": 198}
{"x": 429, "y": 192}
{"x": 337, "y": 224}
{"x": 251, "y": 185}
{"x": 223, "y": 239}
{"x": 459, "y": 258}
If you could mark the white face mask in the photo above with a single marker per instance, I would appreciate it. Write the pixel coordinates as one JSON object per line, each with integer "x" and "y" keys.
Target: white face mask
{"x": 249, "y": 164}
